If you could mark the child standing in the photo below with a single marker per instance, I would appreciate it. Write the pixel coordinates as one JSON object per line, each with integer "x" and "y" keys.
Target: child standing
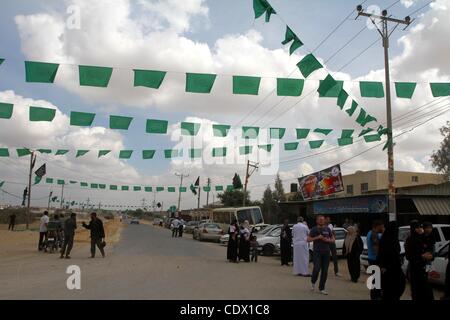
{"x": 254, "y": 249}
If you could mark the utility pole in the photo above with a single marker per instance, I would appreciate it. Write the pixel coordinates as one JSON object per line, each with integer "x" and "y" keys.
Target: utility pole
{"x": 49, "y": 198}
{"x": 62, "y": 195}
{"x": 207, "y": 192}
{"x": 254, "y": 166}
{"x": 179, "y": 189}
{"x": 385, "y": 34}
{"x": 143, "y": 204}
{"x": 32, "y": 162}
{"x": 199, "y": 191}
{"x": 87, "y": 203}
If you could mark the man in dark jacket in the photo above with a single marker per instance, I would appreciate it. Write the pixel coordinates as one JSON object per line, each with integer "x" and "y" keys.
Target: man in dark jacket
{"x": 418, "y": 257}
{"x": 69, "y": 233}
{"x": 12, "y": 221}
{"x": 97, "y": 234}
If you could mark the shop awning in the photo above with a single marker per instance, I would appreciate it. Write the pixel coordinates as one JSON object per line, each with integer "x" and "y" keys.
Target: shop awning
{"x": 432, "y": 206}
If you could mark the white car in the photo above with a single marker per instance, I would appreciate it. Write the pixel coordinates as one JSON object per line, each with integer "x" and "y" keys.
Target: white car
{"x": 441, "y": 235}
{"x": 439, "y": 266}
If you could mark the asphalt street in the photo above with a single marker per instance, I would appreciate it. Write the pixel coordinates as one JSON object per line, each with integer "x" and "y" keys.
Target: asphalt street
{"x": 148, "y": 263}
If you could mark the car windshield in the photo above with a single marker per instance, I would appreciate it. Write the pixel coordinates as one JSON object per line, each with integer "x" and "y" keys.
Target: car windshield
{"x": 212, "y": 226}
{"x": 275, "y": 233}
{"x": 266, "y": 229}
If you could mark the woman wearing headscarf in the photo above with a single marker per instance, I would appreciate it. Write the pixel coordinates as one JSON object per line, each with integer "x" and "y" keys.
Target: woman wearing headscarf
{"x": 232, "y": 249}
{"x": 389, "y": 260}
{"x": 353, "y": 247}
{"x": 244, "y": 242}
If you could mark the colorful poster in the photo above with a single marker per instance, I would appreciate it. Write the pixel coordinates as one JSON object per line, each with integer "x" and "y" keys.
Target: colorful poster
{"x": 322, "y": 183}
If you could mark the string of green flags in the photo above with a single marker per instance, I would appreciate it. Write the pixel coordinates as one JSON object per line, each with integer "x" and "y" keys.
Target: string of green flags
{"x": 127, "y": 187}
{"x": 96, "y": 76}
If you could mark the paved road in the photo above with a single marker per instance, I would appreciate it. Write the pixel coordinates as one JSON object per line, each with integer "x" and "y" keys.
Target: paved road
{"x": 149, "y": 264}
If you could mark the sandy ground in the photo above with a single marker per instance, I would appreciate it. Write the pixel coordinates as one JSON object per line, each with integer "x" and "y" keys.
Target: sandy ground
{"x": 23, "y": 242}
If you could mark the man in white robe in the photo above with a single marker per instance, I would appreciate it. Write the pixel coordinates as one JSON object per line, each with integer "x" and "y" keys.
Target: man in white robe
{"x": 300, "y": 233}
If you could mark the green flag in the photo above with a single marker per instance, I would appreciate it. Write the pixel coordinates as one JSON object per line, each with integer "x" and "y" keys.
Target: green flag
{"x": 440, "y": 89}
{"x": 137, "y": 188}
{"x": 405, "y": 90}
{"x": 195, "y": 153}
{"x": 291, "y": 146}
{"x": 290, "y": 87}
{"x": 219, "y": 188}
{"x": 125, "y": 154}
{"x": 189, "y": 128}
{"x": 364, "y": 118}
{"x": 333, "y": 91}
{"x": 6, "y": 110}
{"x": 308, "y": 65}
{"x": 316, "y": 144}
{"x": 81, "y": 119}
{"x": 148, "y": 189}
{"x": 4, "y": 152}
{"x": 2, "y": 183}
{"x": 159, "y": 189}
{"x": 262, "y": 6}
{"x": 37, "y": 179}
{"x": 125, "y": 188}
{"x": 102, "y": 153}
{"x": 199, "y": 82}
{"x": 372, "y": 137}
{"x": 266, "y": 147}
{"x": 342, "y": 98}
{"x": 323, "y": 131}
{"x": 291, "y": 36}
{"x": 81, "y": 153}
{"x": 148, "y": 78}
{"x": 246, "y": 85}
{"x": 302, "y": 133}
{"x": 46, "y": 151}
{"x": 40, "y": 71}
{"x": 49, "y": 180}
{"x": 42, "y": 114}
{"x": 61, "y": 152}
{"x": 94, "y": 76}
{"x": 277, "y": 133}
{"x": 220, "y": 130}
{"x": 175, "y": 153}
{"x": 219, "y": 152}
{"x": 371, "y": 89}
{"x": 250, "y": 132}
{"x": 182, "y": 189}
{"x": 148, "y": 154}
{"x": 245, "y": 150}
{"x": 112, "y": 187}
{"x": 119, "y": 122}
{"x": 23, "y": 152}
{"x": 350, "y": 111}
{"x": 157, "y": 126}
{"x": 171, "y": 189}
{"x": 325, "y": 85}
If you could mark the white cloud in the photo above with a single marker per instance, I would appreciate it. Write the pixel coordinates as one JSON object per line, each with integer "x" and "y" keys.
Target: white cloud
{"x": 125, "y": 39}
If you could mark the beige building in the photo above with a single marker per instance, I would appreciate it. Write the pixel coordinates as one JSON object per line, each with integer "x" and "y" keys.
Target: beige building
{"x": 363, "y": 182}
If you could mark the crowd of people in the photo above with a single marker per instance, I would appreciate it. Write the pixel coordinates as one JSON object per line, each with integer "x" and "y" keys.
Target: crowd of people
{"x": 54, "y": 233}
{"x": 383, "y": 250}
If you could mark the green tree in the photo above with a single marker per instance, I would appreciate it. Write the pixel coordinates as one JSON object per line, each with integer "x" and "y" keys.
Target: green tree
{"x": 278, "y": 193}
{"x": 268, "y": 205}
{"x": 440, "y": 159}
{"x": 234, "y": 198}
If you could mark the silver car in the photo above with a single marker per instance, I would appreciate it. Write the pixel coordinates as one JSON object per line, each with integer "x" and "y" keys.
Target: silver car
{"x": 207, "y": 231}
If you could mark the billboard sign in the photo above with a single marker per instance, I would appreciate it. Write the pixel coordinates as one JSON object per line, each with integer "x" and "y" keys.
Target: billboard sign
{"x": 322, "y": 183}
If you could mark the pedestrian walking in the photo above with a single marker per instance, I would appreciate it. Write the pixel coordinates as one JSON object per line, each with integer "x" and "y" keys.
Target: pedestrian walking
{"x": 418, "y": 258}
{"x": 286, "y": 243}
{"x": 43, "y": 224}
{"x": 232, "y": 246}
{"x": 97, "y": 234}
{"x": 69, "y": 233}
{"x": 253, "y": 249}
{"x": 353, "y": 247}
{"x": 322, "y": 237}
{"x": 393, "y": 280}
{"x": 244, "y": 242}
{"x": 174, "y": 225}
{"x": 181, "y": 228}
{"x": 373, "y": 242}
{"x": 333, "y": 249}
{"x": 12, "y": 221}
{"x": 300, "y": 233}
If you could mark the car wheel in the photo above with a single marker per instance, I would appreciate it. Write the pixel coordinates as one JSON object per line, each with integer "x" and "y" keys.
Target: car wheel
{"x": 268, "y": 250}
